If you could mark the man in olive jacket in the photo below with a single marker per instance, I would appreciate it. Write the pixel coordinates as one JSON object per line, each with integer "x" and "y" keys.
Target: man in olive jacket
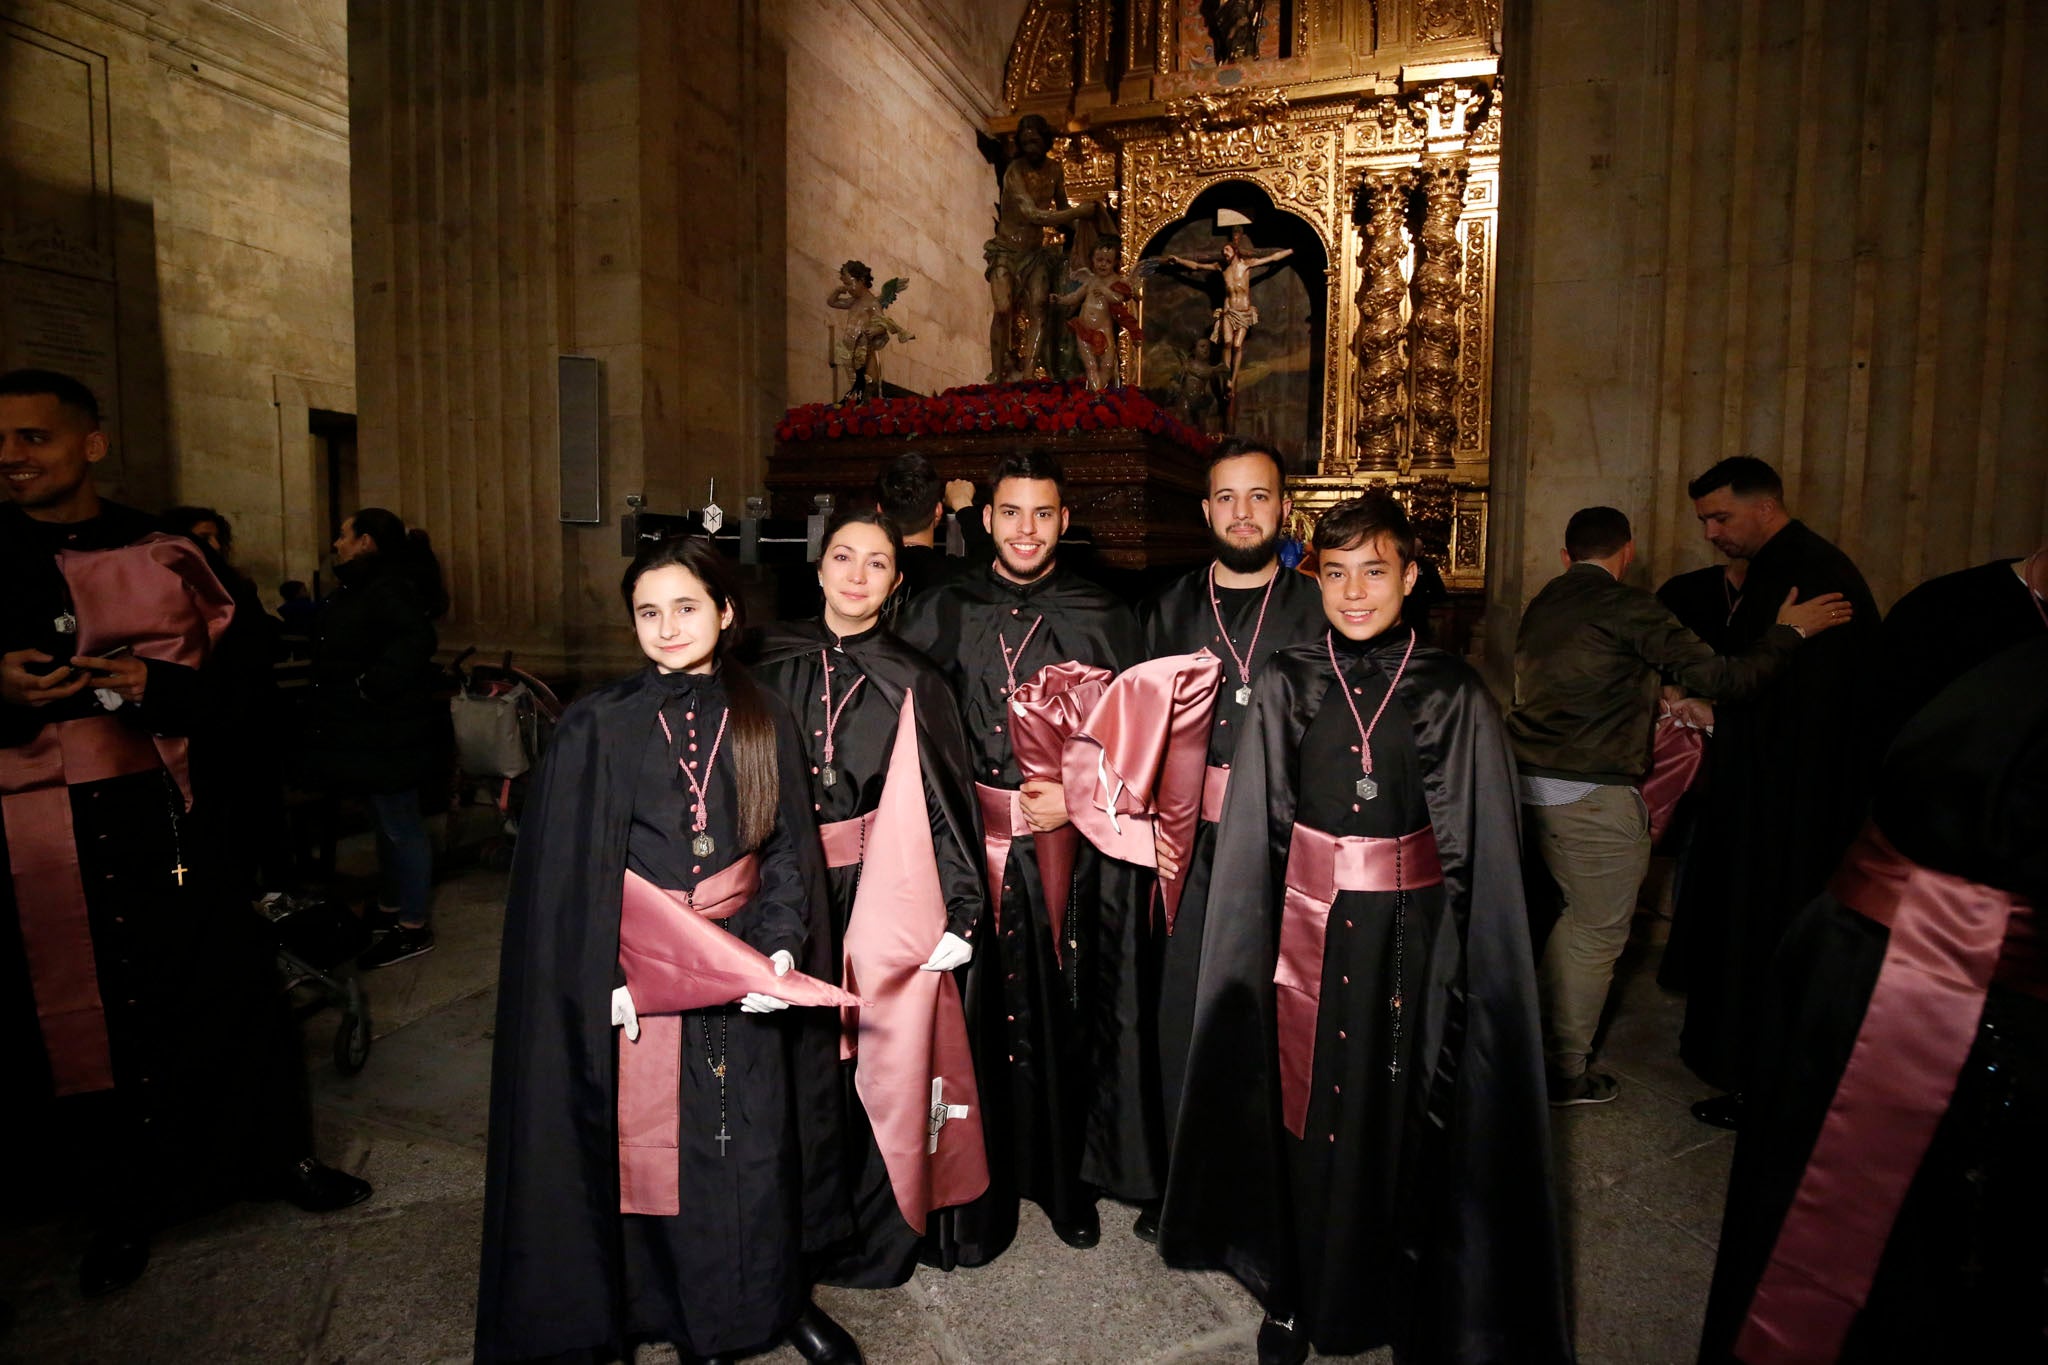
{"x": 1588, "y": 660}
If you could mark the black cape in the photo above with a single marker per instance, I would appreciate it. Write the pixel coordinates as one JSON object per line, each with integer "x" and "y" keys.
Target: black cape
{"x": 1703, "y": 603}
{"x": 1791, "y": 778}
{"x": 1059, "y": 1055}
{"x": 209, "y": 1082}
{"x": 563, "y": 1269}
{"x": 1964, "y": 1276}
{"x": 1473, "y": 1239}
{"x": 883, "y": 1251}
{"x": 1181, "y": 620}
{"x": 1949, "y": 625}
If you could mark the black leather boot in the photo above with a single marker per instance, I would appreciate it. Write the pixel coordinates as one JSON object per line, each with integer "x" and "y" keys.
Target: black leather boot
{"x": 822, "y": 1341}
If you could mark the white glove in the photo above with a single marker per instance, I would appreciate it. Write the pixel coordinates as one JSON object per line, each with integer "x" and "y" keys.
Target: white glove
{"x": 952, "y": 951}
{"x": 624, "y": 1015}
{"x": 756, "y": 1003}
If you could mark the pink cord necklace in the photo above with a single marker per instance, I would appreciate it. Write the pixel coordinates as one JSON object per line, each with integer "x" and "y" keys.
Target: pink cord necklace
{"x": 703, "y": 845}
{"x": 828, "y": 774}
{"x": 1011, "y": 658}
{"x": 1366, "y": 788}
{"x": 1251, "y": 650}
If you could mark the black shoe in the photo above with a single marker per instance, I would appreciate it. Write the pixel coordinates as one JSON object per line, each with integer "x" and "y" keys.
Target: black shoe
{"x": 1146, "y": 1228}
{"x": 1722, "y": 1111}
{"x": 1082, "y": 1232}
{"x": 822, "y": 1341}
{"x": 1591, "y": 1087}
{"x": 407, "y": 940}
{"x": 321, "y": 1189}
{"x": 1280, "y": 1344}
{"x": 115, "y": 1260}
{"x": 379, "y": 919}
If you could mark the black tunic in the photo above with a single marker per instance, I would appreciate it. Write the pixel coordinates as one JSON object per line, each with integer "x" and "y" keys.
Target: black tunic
{"x": 1947, "y": 626}
{"x": 1181, "y": 620}
{"x": 1416, "y": 1210}
{"x": 1791, "y": 776}
{"x": 209, "y": 1087}
{"x": 1057, "y": 1048}
{"x": 1704, "y": 602}
{"x": 563, "y": 1269}
{"x": 793, "y": 659}
{"x": 1964, "y": 1276}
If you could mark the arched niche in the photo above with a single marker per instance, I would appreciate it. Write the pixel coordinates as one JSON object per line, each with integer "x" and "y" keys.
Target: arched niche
{"x": 1281, "y": 382}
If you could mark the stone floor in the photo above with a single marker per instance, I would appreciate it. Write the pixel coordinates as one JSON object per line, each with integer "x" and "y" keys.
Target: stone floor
{"x": 394, "y": 1279}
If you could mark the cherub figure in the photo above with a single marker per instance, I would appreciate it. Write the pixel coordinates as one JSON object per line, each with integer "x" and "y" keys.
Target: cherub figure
{"x": 857, "y": 352}
{"x": 1236, "y": 318}
{"x": 1195, "y": 387}
{"x": 1104, "y": 294}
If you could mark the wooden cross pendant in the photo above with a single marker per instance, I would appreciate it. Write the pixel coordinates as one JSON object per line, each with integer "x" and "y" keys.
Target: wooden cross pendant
{"x": 179, "y": 871}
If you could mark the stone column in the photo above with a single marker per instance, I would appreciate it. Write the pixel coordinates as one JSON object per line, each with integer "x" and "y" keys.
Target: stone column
{"x": 1379, "y": 343}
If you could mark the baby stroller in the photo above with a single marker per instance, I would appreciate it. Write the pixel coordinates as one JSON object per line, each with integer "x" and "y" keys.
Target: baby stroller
{"x": 316, "y": 939}
{"x": 503, "y": 718}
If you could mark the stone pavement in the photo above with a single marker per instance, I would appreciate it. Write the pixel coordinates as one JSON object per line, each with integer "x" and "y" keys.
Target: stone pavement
{"x": 394, "y": 1279}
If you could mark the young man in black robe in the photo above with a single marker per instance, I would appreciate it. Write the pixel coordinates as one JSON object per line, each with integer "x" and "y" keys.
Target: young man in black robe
{"x": 1057, "y": 1050}
{"x": 1889, "y": 1190}
{"x": 1791, "y": 775}
{"x": 1243, "y": 606}
{"x": 1363, "y": 1139}
{"x": 1949, "y": 624}
{"x": 145, "y": 1048}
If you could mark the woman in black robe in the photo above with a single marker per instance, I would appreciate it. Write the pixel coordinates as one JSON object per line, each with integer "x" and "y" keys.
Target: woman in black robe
{"x": 565, "y": 1272}
{"x": 844, "y": 676}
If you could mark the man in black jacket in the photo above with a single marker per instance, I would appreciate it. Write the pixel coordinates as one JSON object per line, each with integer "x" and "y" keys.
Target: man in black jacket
{"x": 1587, "y": 662}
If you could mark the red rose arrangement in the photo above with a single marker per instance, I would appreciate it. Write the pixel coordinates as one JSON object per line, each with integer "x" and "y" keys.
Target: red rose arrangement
{"x": 1045, "y": 406}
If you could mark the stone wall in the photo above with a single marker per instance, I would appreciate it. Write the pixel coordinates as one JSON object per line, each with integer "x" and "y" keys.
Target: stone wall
{"x": 177, "y": 189}
{"x": 668, "y": 189}
{"x": 1808, "y": 231}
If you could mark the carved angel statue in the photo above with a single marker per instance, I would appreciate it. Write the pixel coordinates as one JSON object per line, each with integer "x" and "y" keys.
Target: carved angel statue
{"x": 1195, "y": 381}
{"x": 857, "y": 351}
{"x": 1236, "y": 318}
{"x": 1104, "y": 294}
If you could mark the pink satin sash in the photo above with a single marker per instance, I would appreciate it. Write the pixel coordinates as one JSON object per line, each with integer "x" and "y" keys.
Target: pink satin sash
{"x": 1319, "y": 866}
{"x": 1135, "y": 770}
{"x": 1045, "y": 713}
{"x": 675, "y": 959}
{"x": 1002, "y": 820}
{"x": 1943, "y": 953}
{"x": 1675, "y": 754}
{"x": 1215, "y": 786}
{"x": 914, "y": 1075}
{"x": 846, "y": 841}
{"x": 49, "y": 891}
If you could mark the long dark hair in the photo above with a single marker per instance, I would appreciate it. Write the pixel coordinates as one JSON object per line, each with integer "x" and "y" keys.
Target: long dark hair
{"x": 752, "y": 730}
{"x": 406, "y": 551}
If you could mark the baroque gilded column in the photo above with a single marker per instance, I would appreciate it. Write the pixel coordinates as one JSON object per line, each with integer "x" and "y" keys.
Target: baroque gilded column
{"x": 1439, "y": 277}
{"x": 1380, "y": 343}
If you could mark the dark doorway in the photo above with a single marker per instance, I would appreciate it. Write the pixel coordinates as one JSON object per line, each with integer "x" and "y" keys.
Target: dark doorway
{"x": 334, "y": 454}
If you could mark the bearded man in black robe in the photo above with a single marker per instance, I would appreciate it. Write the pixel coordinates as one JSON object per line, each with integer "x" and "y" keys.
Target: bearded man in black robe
{"x": 1243, "y": 606}
{"x": 144, "y": 1045}
{"x": 1791, "y": 775}
{"x": 1053, "y": 1023}
{"x": 1949, "y": 624}
{"x": 1889, "y": 1193}
{"x": 1363, "y": 1138}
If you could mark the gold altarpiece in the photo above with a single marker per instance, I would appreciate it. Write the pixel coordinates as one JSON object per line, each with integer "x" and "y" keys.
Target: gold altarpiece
{"x": 1375, "y": 122}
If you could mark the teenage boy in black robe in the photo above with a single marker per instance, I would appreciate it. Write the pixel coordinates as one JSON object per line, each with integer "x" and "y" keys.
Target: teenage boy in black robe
{"x": 1889, "y": 1190}
{"x": 1363, "y": 1139}
{"x": 1948, "y": 625}
{"x": 1791, "y": 775}
{"x": 1057, "y": 1052}
{"x": 145, "y": 1049}
{"x": 1243, "y": 606}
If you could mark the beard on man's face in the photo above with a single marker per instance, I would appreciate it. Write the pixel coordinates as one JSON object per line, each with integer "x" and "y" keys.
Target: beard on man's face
{"x": 1241, "y": 556}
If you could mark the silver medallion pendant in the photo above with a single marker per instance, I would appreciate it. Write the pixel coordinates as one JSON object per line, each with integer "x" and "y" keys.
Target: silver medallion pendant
{"x": 1366, "y": 788}
{"x": 702, "y": 845}
{"x": 65, "y": 624}
{"x": 1244, "y": 695}
{"x": 828, "y": 775}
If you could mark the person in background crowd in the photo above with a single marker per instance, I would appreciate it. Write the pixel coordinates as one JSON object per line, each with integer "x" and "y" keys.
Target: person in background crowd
{"x": 1244, "y": 608}
{"x": 149, "y": 1064}
{"x": 1587, "y": 661}
{"x": 1888, "y": 1195}
{"x": 1362, "y": 1138}
{"x": 1791, "y": 775}
{"x": 378, "y": 728}
{"x": 1704, "y": 600}
{"x": 1059, "y": 1069}
{"x": 1942, "y": 628}
{"x": 657, "y": 1174}
{"x": 848, "y": 682}
{"x": 296, "y": 607}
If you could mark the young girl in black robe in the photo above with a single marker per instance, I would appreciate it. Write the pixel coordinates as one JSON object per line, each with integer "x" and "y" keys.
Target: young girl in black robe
{"x": 670, "y": 775}
{"x": 845, "y": 677}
